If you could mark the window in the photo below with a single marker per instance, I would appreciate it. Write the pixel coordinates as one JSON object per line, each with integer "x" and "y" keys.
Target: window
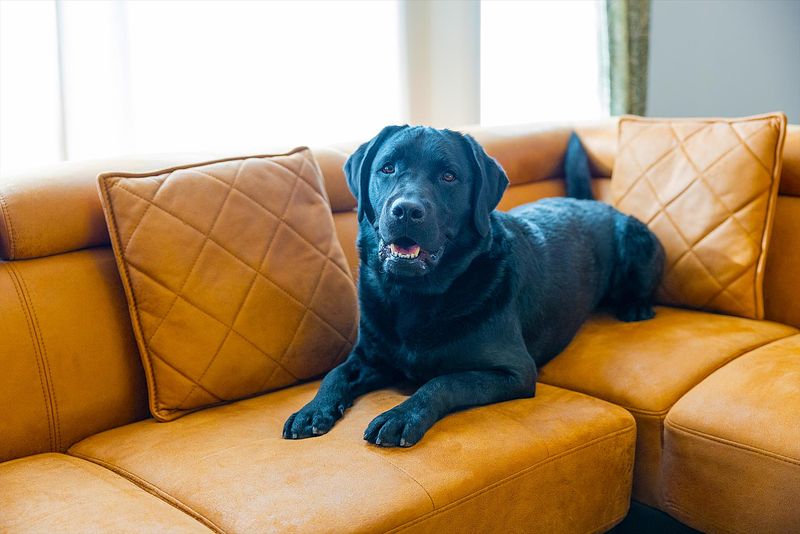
{"x": 84, "y": 79}
{"x": 29, "y": 86}
{"x": 200, "y": 76}
{"x": 540, "y": 61}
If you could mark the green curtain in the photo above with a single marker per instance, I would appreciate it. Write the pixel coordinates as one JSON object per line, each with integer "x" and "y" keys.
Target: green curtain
{"x": 625, "y": 45}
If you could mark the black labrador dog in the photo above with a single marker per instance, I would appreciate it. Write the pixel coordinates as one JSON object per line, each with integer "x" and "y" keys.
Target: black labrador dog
{"x": 461, "y": 299}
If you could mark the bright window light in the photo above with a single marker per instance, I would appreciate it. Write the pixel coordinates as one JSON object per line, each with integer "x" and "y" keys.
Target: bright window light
{"x": 29, "y": 89}
{"x": 216, "y": 76}
{"x": 234, "y": 75}
{"x": 539, "y": 61}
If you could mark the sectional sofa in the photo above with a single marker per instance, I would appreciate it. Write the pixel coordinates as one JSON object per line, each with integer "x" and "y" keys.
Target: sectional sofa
{"x": 693, "y": 414}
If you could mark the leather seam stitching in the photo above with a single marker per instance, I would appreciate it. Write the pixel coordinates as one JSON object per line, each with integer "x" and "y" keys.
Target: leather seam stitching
{"x": 731, "y": 213}
{"x": 171, "y": 366}
{"x": 663, "y": 413}
{"x": 770, "y": 190}
{"x": 769, "y": 214}
{"x": 46, "y": 360}
{"x": 281, "y": 220}
{"x": 298, "y": 177}
{"x": 305, "y": 313}
{"x": 516, "y": 475}
{"x": 640, "y": 175}
{"x": 743, "y": 142}
{"x": 125, "y": 276}
{"x": 151, "y": 489}
{"x": 742, "y": 446}
{"x": 199, "y": 253}
{"x": 231, "y": 188}
{"x": 247, "y": 295}
{"x": 286, "y": 223}
{"x": 281, "y": 289}
{"x": 266, "y": 278}
{"x": 36, "y": 354}
{"x": 187, "y": 301}
{"x": 12, "y": 242}
{"x": 406, "y": 473}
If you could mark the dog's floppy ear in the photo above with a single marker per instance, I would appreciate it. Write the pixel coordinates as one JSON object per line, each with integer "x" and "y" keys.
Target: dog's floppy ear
{"x": 357, "y": 170}
{"x": 490, "y": 184}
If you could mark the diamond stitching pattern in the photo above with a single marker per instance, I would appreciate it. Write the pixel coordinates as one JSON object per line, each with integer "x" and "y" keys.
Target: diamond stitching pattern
{"x": 141, "y": 258}
{"x": 713, "y": 280}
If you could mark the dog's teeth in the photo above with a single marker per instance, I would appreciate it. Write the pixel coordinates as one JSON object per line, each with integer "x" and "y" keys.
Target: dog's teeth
{"x": 394, "y": 249}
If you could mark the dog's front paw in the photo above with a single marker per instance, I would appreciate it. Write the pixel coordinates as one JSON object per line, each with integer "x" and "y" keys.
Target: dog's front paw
{"x": 399, "y": 427}
{"x": 312, "y": 420}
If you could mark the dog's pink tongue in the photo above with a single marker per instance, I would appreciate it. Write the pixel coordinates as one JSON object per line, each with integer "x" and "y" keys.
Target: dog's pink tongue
{"x": 413, "y": 249}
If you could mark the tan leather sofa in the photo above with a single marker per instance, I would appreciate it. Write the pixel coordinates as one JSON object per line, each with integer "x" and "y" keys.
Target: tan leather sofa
{"x": 692, "y": 413}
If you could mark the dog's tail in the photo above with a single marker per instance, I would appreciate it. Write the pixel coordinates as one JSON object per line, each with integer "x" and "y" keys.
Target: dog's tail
{"x": 577, "y": 175}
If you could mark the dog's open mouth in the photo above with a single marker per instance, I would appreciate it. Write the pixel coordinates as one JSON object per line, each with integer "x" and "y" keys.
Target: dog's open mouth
{"x": 406, "y": 257}
{"x": 404, "y": 248}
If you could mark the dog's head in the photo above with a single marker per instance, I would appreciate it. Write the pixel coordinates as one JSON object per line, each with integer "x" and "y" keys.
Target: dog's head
{"x": 426, "y": 193}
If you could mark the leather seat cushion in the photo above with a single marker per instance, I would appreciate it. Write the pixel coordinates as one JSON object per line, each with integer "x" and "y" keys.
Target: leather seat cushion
{"x": 736, "y": 436}
{"x": 59, "y": 493}
{"x": 560, "y": 462}
{"x": 647, "y": 366}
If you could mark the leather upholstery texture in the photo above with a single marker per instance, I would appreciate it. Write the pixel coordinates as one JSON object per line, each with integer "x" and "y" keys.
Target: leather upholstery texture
{"x": 63, "y": 494}
{"x": 735, "y": 436}
{"x": 235, "y": 280}
{"x": 560, "y": 462}
{"x": 54, "y": 209}
{"x": 69, "y": 362}
{"x": 71, "y": 369}
{"x": 782, "y": 275}
{"x": 790, "y": 177}
{"x": 707, "y": 189}
{"x": 647, "y": 366}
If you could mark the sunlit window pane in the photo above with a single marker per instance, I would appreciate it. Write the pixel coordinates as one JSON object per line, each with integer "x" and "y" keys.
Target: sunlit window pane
{"x": 29, "y": 97}
{"x": 539, "y": 61}
{"x": 235, "y": 75}
{"x": 214, "y": 76}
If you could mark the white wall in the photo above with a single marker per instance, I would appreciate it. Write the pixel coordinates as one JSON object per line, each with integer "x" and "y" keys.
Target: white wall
{"x": 724, "y": 57}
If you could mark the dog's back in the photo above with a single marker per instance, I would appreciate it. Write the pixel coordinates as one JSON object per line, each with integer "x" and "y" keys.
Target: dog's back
{"x": 582, "y": 252}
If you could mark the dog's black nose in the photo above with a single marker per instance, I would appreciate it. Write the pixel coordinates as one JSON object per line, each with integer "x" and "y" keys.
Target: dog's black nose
{"x": 408, "y": 210}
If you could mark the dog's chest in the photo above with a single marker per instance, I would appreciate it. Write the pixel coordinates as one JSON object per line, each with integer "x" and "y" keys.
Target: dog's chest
{"x": 424, "y": 347}
{"x": 419, "y": 336}
{"x": 419, "y": 365}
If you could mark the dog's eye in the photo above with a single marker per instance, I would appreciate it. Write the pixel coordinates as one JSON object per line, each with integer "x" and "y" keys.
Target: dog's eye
{"x": 448, "y": 177}
{"x": 387, "y": 169}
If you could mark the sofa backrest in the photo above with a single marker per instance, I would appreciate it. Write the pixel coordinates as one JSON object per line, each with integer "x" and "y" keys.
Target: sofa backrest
{"x": 532, "y": 156}
{"x": 71, "y": 367}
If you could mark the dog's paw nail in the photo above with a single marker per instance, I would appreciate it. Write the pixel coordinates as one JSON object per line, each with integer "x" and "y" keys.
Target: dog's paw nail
{"x": 402, "y": 442}
{"x": 341, "y": 410}
{"x": 294, "y": 435}
{"x": 377, "y": 441}
{"x": 316, "y": 431}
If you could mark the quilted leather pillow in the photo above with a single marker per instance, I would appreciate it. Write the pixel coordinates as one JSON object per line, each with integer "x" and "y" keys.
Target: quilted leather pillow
{"x": 235, "y": 279}
{"x": 707, "y": 188}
